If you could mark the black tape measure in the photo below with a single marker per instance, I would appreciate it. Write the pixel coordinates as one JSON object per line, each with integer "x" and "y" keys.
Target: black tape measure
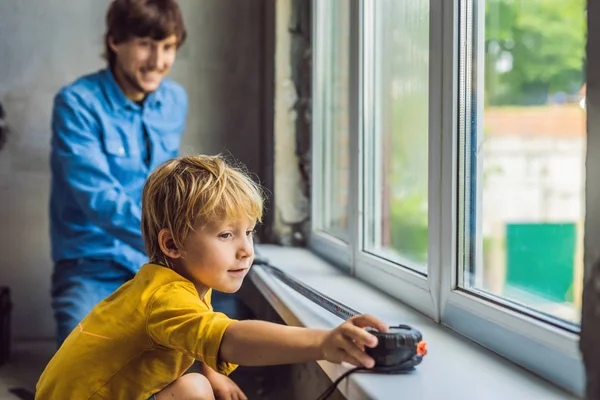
{"x": 397, "y": 351}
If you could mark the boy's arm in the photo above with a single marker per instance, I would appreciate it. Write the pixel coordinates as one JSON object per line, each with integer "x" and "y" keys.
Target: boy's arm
{"x": 255, "y": 343}
{"x": 177, "y": 320}
{"x": 222, "y": 386}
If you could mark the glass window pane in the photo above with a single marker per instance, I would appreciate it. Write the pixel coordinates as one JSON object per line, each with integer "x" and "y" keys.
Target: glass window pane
{"x": 396, "y": 174}
{"x": 523, "y": 142}
{"x": 335, "y": 59}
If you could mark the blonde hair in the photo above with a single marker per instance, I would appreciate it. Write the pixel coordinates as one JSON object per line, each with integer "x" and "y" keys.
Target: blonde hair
{"x": 189, "y": 191}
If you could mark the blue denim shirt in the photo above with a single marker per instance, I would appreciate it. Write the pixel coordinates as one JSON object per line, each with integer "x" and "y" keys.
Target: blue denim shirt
{"x": 100, "y": 144}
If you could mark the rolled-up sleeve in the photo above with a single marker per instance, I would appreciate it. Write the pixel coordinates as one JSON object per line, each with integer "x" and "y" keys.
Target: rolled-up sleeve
{"x": 77, "y": 146}
{"x": 178, "y": 320}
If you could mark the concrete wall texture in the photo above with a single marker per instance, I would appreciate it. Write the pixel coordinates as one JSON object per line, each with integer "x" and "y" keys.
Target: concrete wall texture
{"x": 45, "y": 45}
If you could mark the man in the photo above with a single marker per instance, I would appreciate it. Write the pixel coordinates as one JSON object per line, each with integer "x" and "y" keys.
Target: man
{"x": 110, "y": 129}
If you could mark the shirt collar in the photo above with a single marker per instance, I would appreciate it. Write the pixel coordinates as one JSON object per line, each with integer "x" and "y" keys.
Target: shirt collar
{"x": 154, "y": 99}
{"x": 118, "y": 99}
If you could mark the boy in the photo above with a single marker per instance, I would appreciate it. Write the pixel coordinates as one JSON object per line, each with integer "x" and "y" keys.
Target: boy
{"x": 198, "y": 218}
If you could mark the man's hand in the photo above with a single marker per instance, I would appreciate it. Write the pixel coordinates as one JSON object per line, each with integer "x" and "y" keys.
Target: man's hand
{"x": 347, "y": 342}
{"x": 223, "y": 387}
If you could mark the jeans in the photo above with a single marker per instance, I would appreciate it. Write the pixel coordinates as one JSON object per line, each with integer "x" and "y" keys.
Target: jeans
{"x": 78, "y": 285}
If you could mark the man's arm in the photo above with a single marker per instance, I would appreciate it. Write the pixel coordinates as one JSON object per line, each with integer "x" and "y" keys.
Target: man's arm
{"x": 77, "y": 144}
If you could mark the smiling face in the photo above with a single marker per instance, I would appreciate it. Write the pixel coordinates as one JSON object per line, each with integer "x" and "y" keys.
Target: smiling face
{"x": 141, "y": 63}
{"x": 217, "y": 255}
{"x": 141, "y": 40}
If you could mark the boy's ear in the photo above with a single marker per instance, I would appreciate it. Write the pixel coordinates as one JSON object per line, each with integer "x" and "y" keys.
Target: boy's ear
{"x": 167, "y": 244}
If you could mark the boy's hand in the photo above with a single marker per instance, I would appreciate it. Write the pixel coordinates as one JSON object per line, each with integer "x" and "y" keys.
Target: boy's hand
{"x": 347, "y": 342}
{"x": 223, "y": 387}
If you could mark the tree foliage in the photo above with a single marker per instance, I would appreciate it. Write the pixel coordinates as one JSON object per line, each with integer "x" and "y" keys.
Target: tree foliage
{"x": 535, "y": 50}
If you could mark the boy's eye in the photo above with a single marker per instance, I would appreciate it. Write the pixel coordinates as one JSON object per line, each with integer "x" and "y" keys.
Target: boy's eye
{"x": 225, "y": 235}
{"x": 250, "y": 233}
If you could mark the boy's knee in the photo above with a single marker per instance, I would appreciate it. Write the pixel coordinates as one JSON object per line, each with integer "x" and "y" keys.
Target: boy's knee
{"x": 198, "y": 386}
{"x": 191, "y": 386}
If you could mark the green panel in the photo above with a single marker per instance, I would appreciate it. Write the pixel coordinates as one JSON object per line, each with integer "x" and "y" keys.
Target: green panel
{"x": 540, "y": 259}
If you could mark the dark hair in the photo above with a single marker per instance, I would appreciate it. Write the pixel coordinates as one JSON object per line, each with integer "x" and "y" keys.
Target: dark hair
{"x": 157, "y": 19}
{"x": 3, "y": 128}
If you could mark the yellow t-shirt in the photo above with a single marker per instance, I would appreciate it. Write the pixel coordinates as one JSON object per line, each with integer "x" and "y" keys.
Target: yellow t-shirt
{"x": 137, "y": 341}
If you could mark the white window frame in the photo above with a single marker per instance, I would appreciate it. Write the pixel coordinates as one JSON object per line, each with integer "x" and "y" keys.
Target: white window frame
{"x": 550, "y": 351}
{"x": 349, "y": 256}
{"x": 336, "y": 249}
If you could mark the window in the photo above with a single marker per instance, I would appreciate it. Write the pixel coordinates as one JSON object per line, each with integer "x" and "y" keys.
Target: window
{"x": 334, "y": 74}
{"x": 449, "y": 152}
{"x": 522, "y": 156}
{"x": 396, "y": 164}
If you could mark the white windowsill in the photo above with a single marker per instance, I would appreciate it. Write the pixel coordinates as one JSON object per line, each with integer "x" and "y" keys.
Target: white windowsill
{"x": 454, "y": 368}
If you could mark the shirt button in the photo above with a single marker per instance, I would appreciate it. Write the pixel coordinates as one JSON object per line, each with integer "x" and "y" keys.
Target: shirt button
{"x": 121, "y": 151}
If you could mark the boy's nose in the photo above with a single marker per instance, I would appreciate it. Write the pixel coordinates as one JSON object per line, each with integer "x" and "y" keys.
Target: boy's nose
{"x": 247, "y": 250}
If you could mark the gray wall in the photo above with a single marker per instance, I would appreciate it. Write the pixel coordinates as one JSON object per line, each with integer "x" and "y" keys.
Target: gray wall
{"x": 46, "y": 44}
